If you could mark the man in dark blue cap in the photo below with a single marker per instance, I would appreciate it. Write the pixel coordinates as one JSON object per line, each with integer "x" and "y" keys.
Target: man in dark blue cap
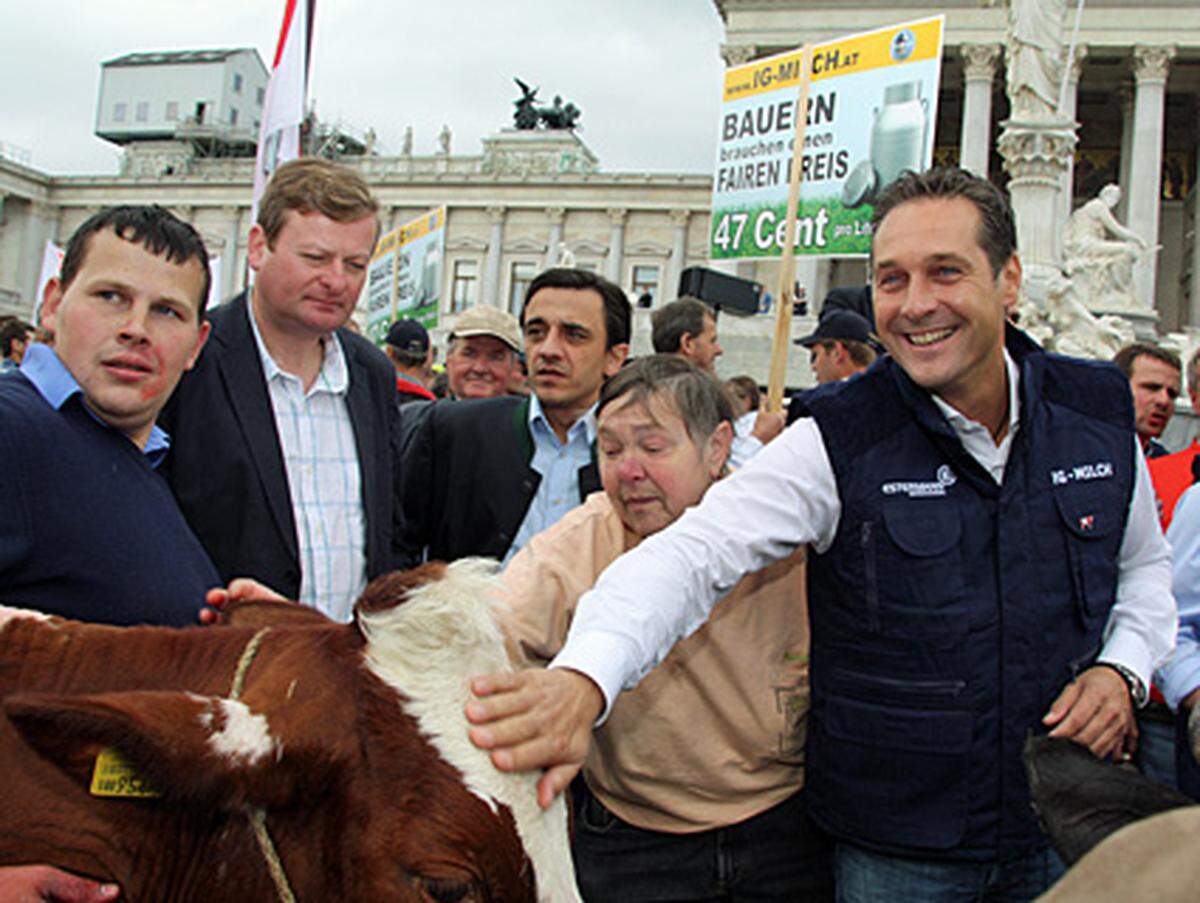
{"x": 840, "y": 347}
{"x": 411, "y": 353}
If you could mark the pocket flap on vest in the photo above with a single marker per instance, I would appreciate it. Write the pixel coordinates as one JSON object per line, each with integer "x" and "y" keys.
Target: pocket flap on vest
{"x": 1090, "y": 510}
{"x": 923, "y": 527}
{"x": 891, "y": 727}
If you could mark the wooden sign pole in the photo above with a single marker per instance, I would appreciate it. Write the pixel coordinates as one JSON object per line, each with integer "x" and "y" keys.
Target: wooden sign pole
{"x": 787, "y": 263}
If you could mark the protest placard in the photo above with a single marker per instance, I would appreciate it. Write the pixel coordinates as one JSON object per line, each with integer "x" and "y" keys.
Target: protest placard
{"x": 871, "y": 110}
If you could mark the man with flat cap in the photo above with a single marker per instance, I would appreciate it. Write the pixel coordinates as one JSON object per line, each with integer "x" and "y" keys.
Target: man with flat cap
{"x": 482, "y": 357}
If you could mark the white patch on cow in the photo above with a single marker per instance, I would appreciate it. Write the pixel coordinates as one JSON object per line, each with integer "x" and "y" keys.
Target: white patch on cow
{"x": 11, "y": 614}
{"x": 428, "y": 648}
{"x": 243, "y": 737}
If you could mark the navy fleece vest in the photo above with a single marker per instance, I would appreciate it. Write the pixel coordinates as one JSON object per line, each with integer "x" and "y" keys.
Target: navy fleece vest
{"x": 949, "y": 611}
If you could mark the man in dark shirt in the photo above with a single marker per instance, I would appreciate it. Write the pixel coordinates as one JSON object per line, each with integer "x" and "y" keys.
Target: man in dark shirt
{"x": 91, "y": 531}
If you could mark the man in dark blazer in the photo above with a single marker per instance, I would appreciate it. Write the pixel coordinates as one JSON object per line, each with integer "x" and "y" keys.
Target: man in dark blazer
{"x": 282, "y": 456}
{"x": 481, "y": 476}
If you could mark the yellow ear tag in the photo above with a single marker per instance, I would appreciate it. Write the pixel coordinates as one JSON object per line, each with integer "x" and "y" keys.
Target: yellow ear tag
{"x": 114, "y": 776}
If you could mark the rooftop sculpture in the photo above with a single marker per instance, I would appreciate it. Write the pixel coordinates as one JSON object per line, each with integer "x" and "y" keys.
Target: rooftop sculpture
{"x": 528, "y": 115}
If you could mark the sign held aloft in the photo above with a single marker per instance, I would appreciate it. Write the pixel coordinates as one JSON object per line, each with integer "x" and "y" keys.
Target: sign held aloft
{"x": 404, "y": 278}
{"x": 870, "y": 114}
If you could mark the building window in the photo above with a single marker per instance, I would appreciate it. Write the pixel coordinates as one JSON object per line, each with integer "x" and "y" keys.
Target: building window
{"x": 233, "y": 115}
{"x": 645, "y": 280}
{"x": 119, "y": 112}
{"x": 237, "y": 83}
{"x": 520, "y": 275}
{"x": 260, "y": 95}
{"x": 172, "y": 111}
{"x": 465, "y": 291}
{"x": 142, "y": 111}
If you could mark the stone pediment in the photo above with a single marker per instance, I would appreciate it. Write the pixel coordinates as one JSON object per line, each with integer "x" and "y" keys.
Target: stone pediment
{"x": 525, "y": 246}
{"x": 466, "y": 243}
{"x": 586, "y": 247}
{"x": 647, "y": 249}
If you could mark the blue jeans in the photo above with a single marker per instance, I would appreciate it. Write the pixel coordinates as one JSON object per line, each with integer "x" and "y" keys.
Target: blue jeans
{"x": 1155, "y": 756}
{"x": 776, "y": 855}
{"x": 867, "y": 877}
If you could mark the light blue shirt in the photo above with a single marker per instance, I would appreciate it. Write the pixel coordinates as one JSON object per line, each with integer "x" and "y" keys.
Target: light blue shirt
{"x": 54, "y": 382}
{"x": 559, "y": 464}
{"x": 1181, "y": 674}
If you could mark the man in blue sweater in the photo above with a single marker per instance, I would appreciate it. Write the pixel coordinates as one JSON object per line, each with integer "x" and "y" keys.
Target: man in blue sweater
{"x": 91, "y": 531}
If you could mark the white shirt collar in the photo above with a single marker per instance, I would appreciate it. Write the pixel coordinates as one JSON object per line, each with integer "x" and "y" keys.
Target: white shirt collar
{"x": 335, "y": 374}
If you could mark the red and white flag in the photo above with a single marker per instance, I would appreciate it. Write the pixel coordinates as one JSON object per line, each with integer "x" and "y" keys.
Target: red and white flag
{"x": 283, "y": 107}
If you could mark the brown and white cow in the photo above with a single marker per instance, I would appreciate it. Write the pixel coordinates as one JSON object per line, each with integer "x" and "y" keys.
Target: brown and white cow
{"x": 295, "y": 758}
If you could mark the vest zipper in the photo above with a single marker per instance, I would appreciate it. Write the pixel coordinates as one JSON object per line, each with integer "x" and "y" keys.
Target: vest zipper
{"x": 948, "y": 687}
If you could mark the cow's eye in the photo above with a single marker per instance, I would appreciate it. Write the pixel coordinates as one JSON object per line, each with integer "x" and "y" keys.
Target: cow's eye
{"x": 446, "y": 890}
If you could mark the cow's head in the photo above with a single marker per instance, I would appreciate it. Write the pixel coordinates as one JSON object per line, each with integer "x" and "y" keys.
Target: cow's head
{"x": 352, "y": 740}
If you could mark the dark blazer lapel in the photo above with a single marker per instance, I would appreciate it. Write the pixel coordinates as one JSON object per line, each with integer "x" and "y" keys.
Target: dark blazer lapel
{"x": 510, "y": 479}
{"x": 366, "y": 439}
{"x": 246, "y": 386}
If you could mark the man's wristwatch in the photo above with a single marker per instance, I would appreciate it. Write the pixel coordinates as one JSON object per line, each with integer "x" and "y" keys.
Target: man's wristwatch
{"x": 1138, "y": 694}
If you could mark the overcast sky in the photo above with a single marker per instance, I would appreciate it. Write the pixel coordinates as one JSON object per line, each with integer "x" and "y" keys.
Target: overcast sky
{"x": 646, "y": 73}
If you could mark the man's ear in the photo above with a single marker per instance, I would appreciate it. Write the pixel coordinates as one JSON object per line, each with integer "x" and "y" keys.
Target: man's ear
{"x": 614, "y": 357}
{"x": 1010, "y": 283}
{"x": 687, "y": 345}
{"x": 52, "y": 296}
{"x": 257, "y": 247}
{"x": 205, "y": 329}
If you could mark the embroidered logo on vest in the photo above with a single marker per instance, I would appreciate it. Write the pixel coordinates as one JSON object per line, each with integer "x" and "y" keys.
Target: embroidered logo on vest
{"x": 923, "y": 489}
{"x": 1101, "y": 470}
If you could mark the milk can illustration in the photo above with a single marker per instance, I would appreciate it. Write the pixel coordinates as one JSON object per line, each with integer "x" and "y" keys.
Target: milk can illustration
{"x": 898, "y": 132}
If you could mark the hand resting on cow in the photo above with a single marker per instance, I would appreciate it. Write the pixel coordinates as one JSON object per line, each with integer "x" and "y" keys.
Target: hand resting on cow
{"x": 337, "y": 742}
{"x": 37, "y": 883}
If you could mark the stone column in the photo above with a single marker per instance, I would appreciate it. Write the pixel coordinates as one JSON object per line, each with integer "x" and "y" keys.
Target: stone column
{"x": 669, "y": 290}
{"x": 616, "y": 243}
{"x": 232, "y": 276}
{"x": 396, "y": 218}
{"x": 1067, "y": 189}
{"x": 738, "y": 54}
{"x": 556, "y": 215}
{"x": 1035, "y": 156}
{"x": 1193, "y": 226}
{"x": 1125, "y": 99}
{"x": 36, "y": 232}
{"x": 979, "y": 69}
{"x": 1150, "y": 65}
{"x": 491, "y": 275}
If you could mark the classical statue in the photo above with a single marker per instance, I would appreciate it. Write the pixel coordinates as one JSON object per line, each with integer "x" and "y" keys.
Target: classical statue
{"x": 444, "y": 141}
{"x": 528, "y": 115}
{"x": 406, "y": 146}
{"x": 525, "y": 116}
{"x": 1033, "y": 57}
{"x": 1098, "y": 252}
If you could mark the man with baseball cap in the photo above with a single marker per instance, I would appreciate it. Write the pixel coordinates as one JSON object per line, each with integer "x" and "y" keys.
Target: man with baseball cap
{"x": 482, "y": 357}
{"x": 411, "y": 353}
{"x": 840, "y": 346}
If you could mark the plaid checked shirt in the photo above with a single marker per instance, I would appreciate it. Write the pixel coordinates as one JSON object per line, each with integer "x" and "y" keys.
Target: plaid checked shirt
{"x": 321, "y": 460}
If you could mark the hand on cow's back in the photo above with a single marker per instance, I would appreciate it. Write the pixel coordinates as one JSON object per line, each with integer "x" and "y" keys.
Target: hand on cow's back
{"x": 37, "y": 883}
{"x": 536, "y": 719}
{"x": 242, "y": 590}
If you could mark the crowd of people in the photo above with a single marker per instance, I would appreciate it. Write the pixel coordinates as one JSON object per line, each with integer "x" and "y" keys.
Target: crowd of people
{"x": 795, "y": 654}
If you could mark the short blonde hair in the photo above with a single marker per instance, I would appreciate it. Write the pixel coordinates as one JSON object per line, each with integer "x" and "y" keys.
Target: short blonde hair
{"x": 315, "y": 184}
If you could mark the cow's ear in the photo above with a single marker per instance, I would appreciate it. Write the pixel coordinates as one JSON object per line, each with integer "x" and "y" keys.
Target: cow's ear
{"x": 192, "y": 749}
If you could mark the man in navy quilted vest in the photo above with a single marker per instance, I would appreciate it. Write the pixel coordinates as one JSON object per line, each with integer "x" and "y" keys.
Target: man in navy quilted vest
{"x": 986, "y": 562}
